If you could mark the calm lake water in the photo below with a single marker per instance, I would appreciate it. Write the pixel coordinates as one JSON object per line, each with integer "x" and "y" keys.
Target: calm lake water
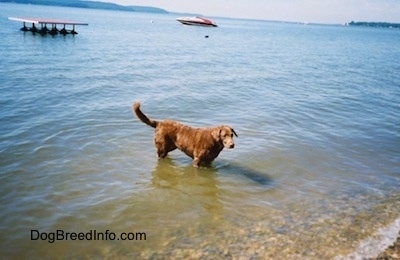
{"x": 315, "y": 173}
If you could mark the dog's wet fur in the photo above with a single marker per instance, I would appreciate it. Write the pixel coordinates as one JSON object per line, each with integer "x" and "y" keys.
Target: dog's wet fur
{"x": 203, "y": 145}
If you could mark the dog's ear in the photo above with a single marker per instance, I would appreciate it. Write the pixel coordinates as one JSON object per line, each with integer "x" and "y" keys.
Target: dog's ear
{"x": 233, "y": 131}
{"x": 216, "y": 133}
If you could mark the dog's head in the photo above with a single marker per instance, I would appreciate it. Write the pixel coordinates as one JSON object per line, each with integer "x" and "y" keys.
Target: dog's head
{"x": 224, "y": 134}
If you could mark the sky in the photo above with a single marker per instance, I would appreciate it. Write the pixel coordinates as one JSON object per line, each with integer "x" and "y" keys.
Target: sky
{"x": 312, "y": 11}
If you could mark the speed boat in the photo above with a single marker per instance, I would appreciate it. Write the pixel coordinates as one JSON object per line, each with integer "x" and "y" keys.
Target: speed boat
{"x": 196, "y": 20}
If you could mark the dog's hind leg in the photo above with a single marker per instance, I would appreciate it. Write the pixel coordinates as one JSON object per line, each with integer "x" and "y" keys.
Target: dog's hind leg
{"x": 196, "y": 162}
{"x": 164, "y": 147}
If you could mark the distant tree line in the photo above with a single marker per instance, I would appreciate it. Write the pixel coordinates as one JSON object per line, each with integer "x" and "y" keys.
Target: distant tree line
{"x": 89, "y": 4}
{"x": 375, "y": 24}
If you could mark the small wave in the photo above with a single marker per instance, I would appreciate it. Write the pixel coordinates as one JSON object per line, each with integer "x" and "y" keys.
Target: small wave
{"x": 377, "y": 243}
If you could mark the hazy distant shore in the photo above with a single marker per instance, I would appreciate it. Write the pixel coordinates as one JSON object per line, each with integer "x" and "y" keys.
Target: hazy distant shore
{"x": 150, "y": 9}
{"x": 375, "y": 24}
{"x": 90, "y": 4}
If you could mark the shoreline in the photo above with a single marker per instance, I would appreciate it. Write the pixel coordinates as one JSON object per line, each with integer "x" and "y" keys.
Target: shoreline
{"x": 383, "y": 244}
{"x": 392, "y": 251}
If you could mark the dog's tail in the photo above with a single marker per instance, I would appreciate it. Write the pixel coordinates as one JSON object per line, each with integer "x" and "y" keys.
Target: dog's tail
{"x": 143, "y": 117}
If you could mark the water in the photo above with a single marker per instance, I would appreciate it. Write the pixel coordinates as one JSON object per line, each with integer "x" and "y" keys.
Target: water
{"x": 315, "y": 172}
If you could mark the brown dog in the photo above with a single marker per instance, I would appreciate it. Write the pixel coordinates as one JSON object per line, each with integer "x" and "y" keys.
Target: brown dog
{"x": 203, "y": 145}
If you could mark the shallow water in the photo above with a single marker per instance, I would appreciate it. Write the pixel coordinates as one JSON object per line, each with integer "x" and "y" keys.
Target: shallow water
{"x": 314, "y": 174}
